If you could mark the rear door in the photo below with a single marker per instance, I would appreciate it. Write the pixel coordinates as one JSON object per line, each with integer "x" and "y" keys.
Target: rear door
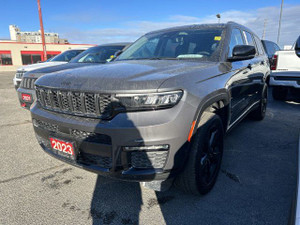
{"x": 259, "y": 64}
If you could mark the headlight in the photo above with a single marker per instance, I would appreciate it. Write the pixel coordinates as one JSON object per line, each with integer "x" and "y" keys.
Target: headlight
{"x": 19, "y": 74}
{"x": 149, "y": 101}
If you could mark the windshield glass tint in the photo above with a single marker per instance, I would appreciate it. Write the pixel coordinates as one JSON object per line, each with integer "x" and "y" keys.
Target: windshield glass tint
{"x": 185, "y": 44}
{"x": 97, "y": 54}
{"x": 66, "y": 56}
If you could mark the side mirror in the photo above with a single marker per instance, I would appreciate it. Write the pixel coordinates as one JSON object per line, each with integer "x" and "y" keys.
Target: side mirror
{"x": 242, "y": 52}
{"x": 297, "y": 47}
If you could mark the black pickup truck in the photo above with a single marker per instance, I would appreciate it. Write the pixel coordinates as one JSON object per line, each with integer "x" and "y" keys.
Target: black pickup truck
{"x": 160, "y": 110}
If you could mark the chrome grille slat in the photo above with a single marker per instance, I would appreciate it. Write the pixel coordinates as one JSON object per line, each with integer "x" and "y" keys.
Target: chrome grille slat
{"x": 28, "y": 82}
{"x": 75, "y": 103}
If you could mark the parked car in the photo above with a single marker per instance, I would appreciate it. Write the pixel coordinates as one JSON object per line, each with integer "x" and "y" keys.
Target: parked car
{"x": 95, "y": 55}
{"x": 62, "y": 58}
{"x": 285, "y": 74}
{"x": 160, "y": 110}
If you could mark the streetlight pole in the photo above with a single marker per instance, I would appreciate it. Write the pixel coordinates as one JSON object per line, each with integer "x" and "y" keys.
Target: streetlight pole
{"x": 279, "y": 27}
{"x": 264, "y": 31}
{"x": 42, "y": 30}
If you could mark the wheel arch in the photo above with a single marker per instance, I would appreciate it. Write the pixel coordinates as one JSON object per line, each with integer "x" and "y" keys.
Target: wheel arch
{"x": 217, "y": 103}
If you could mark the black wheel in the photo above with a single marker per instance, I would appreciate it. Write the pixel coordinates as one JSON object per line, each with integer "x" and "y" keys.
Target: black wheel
{"x": 279, "y": 93}
{"x": 260, "y": 112}
{"x": 203, "y": 165}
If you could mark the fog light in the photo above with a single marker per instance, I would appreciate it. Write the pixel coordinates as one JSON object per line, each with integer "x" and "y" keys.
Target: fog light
{"x": 146, "y": 148}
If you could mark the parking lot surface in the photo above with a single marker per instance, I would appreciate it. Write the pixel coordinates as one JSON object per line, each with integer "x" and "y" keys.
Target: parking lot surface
{"x": 256, "y": 184}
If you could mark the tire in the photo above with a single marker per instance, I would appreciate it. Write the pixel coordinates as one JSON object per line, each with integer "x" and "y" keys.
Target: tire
{"x": 279, "y": 93}
{"x": 260, "y": 112}
{"x": 204, "y": 162}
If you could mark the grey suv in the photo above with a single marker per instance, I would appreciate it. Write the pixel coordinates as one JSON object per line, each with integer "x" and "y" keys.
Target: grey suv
{"x": 160, "y": 110}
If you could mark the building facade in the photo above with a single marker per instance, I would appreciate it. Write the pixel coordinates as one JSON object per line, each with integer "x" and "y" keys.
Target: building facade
{"x": 15, "y": 54}
{"x": 33, "y": 37}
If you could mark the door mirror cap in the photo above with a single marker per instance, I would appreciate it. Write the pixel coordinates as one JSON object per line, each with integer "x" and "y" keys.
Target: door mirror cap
{"x": 242, "y": 52}
{"x": 297, "y": 47}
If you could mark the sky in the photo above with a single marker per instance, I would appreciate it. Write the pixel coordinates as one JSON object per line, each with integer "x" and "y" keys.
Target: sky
{"x": 98, "y": 22}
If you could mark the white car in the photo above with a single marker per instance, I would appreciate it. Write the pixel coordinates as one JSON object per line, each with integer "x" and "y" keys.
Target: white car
{"x": 285, "y": 76}
{"x": 62, "y": 58}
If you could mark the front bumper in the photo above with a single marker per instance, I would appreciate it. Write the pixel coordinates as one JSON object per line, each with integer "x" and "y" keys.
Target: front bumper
{"x": 26, "y": 103}
{"x": 99, "y": 145}
{"x": 287, "y": 79}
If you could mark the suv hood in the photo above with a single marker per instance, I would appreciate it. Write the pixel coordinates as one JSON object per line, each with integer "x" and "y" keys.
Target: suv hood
{"x": 39, "y": 65}
{"x": 55, "y": 68}
{"x": 126, "y": 76}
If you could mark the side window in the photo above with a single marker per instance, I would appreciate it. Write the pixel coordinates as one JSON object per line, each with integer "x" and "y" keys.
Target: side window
{"x": 259, "y": 46}
{"x": 249, "y": 39}
{"x": 236, "y": 39}
{"x": 147, "y": 49}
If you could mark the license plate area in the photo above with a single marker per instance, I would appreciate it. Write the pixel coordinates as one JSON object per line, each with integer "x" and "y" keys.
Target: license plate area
{"x": 63, "y": 148}
{"x": 26, "y": 97}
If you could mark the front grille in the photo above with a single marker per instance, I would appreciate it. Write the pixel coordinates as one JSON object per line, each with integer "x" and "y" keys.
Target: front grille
{"x": 76, "y": 103}
{"x": 45, "y": 125}
{"x": 28, "y": 82}
{"x": 20, "y": 74}
{"x": 148, "y": 160}
{"x": 91, "y": 136}
{"x": 95, "y": 160}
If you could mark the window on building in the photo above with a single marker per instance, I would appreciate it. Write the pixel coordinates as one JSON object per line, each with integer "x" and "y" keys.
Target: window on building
{"x": 5, "y": 58}
{"x": 30, "y": 58}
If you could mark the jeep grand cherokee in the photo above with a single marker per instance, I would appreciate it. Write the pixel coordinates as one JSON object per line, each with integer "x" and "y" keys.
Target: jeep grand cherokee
{"x": 160, "y": 110}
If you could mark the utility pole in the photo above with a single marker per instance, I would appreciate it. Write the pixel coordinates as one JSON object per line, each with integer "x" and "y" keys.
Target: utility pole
{"x": 42, "y": 30}
{"x": 279, "y": 27}
{"x": 264, "y": 31}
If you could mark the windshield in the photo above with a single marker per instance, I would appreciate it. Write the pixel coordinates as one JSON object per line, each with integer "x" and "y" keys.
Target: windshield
{"x": 66, "y": 56}
{"x": 200, "y": 44}
{"x": 99, "y": 54}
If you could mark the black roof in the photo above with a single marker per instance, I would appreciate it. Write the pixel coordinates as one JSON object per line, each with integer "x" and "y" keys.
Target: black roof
{"x": 198, "y": 26}
{"x": 116, "y": 44}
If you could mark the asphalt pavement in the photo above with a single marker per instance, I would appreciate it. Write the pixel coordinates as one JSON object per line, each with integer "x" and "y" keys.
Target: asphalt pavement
{"x": 256, "y": 184}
